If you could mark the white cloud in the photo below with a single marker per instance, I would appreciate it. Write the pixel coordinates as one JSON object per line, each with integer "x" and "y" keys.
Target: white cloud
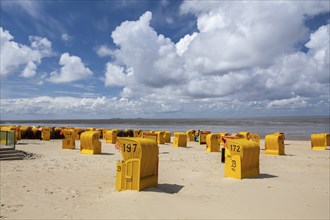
{"x": 150, "y": 106}
{"x": 184, "y": 42}
{"x": 236, "y": 56}
{"x": 169, "y": 20}
{"x": 66, "y": 37}
{"x": 17, "y": 57}
{"x": 103, "y": 51}
{"x": 115, "y": 76}
{"x": 30, "y": 7}
{"x": 164, "y": 3}
{"x": 152, "y": 57}
{"x": 242, "y": 59}
{"x": 65, "y": 106}
{"x": 236, "y": 36}
{"x": 73, "y": 69}
{"x": 290, "y": 103}
{"x": 211, "y": 21}
{"x": 29, "y": 70}
{"x": 319, "y": 45}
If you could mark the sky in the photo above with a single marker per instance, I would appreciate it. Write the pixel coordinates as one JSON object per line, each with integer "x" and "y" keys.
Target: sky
{"x": 164, "y": 59}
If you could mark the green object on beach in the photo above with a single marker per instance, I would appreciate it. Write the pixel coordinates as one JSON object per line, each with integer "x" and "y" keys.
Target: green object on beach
{"x": 7, "y": 138}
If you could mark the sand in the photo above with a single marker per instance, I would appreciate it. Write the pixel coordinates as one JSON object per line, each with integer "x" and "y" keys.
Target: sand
{"x": 64, "y": 184}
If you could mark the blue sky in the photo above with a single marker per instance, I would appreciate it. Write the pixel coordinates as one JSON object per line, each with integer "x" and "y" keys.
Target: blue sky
{"x": 163, "y": 59}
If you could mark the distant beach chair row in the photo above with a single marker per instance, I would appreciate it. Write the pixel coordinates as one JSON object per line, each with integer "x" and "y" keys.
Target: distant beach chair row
{"x": 318, "y": 141}
{"x": 139, "y": 149}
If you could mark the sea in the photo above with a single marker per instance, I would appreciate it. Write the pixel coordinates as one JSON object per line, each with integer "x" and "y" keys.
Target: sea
{"x": 294, "y": 128}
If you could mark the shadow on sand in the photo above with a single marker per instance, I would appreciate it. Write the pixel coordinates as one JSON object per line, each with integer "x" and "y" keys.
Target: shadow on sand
{"x": 263, "y": 176}
{"x": 106, "y": 154}
{"x": 164, "y": 152}
{"x": 165, "y": 188}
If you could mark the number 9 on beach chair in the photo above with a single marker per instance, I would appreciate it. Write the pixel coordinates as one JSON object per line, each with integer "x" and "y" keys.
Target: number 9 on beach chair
{"x": 139, "y": 168}
{"x": 69, "y": 139}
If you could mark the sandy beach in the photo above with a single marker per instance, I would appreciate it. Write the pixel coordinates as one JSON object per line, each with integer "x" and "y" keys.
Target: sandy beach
{"x": 64, "y": 184}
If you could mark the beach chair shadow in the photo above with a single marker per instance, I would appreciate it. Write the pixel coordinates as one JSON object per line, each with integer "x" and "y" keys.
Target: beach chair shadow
{"x": 289, "y": 155}
{"x": 106, "y": 154}
{"x": 164, "y": 152}
{"x": 165, "y": 188}
{"x": 35, "y": 143}
{"x": 262, "y": 176}
{"x": 22, "y": 143}
{"x": 265, "y": 176}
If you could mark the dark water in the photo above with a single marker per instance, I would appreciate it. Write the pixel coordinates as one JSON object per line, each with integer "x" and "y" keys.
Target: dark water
{"x": 296, "y": 128}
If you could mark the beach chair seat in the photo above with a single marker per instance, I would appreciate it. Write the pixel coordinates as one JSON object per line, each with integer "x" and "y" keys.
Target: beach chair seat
{"x": 90, "y": 143}
{"x": 150, "y": 135}
{"x": 180, "y": 139}
{"x": 320, "y": 141}
{"x": 167, "y": 136}
{"x": 139, "y": 168}
{"x": 111, "y": 136}
{"x": 137, "y": 133}
{"x": 202, "y": 136}
{"x": 241, "y": 158}
{"x": 69, "y": 139}
{"x": 223, "y": 134}
{"x": 274, "y": 144}
{"x": 191, "y": 135}
{"x": 45, "y": 133}
{"x": 255, "y": 138}
{"x": 245, "y": 134}
{"x": 160, "y": 137}
{"x": 77, "y": 132}
{"x": 213, "y": 143}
